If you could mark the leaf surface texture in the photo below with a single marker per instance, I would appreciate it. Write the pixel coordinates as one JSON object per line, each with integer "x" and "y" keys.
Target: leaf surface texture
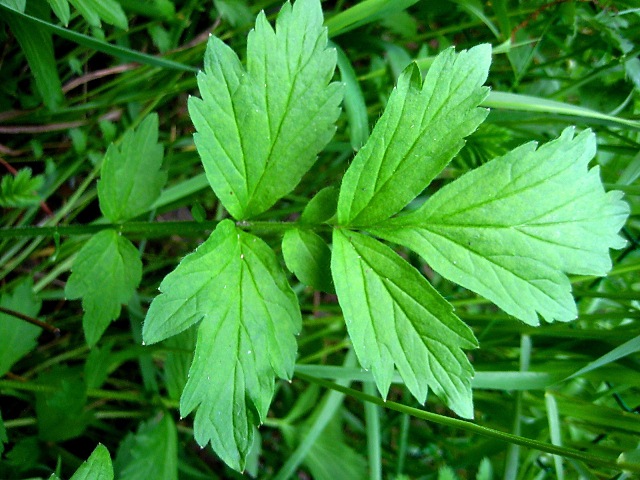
{"x": 421, "y": 129}
{"x": 509, "y": 229}
{"x": 105, "y": 274}
{"x": 260, "y": 129}
{"x": 249, "y": 316}
{"x": 394, "y": 316}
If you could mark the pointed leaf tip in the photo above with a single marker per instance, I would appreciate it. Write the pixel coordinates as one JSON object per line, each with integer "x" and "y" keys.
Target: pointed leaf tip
{"x": 512, "y": 229}
{"x": 394, "y": 316}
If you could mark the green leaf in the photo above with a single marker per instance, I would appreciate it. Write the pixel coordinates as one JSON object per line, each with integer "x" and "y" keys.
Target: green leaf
{"x": 321, "y": 207}
{"x": 97, "y": 365}
{"x": 329, "y": 446}
{"x": 485, "y": 470}
{"x": 18, "y": 337}
{"x": 152, "y": 453}
{"x": 421, "y": 129}
{"x": 234, "y": 284}
{"x": 61, "y": 9}
{"x": 395, "y": 316}
{"x": 308, "y": 256}
{"x": 271, "y": 119}
{"x": 20, "y": 190}
{"x": 447, "y": 473}
{"x": 3, "y": 435}
{"x": 37, "y": 45}
{"x": 354, "y": 103}
{"x": 178, "y": 360}
{"x": 109, "y": 11}
{"x": 101, "y": 46}
{"x": 62, "y": 414}
{"x": 131, "y": 179}
{"x": 236, "y": 12}
{"x": 509, "y": 229}
{"x": 113, "y": 260}
{"x": 97, "y": 467}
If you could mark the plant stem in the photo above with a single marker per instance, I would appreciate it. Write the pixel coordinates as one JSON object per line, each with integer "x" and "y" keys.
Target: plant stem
{"x": 148, "y": 229}
{"x": 474, "y": 428}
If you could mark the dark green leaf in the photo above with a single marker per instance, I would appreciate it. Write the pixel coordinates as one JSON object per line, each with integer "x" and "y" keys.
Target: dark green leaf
{"x": 62, "y": 412}
{"x": 152, "y": 453}
{"x": 18, "y": 336}
{"x": 3, "y": 435}
{"x": 114, "y": 260}
{"x": 37, "y": 46}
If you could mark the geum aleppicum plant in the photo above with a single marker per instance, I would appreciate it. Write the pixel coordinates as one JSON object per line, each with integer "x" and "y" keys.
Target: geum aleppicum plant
{"x": 510, "y": 230}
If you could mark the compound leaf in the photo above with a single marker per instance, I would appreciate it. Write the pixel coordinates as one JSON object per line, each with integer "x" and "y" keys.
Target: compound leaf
{"x": 151, "y": 453}
{"x": 18, "y": 336}
{"x": 259, "y": 130}
{"x": 249, "y": 316}
{"x": 131, "y": 179}
{"x": 97, "y": 467}
{"x": 420, "y": 131}
{"x": 395, "y": 316}
{"x": 512, "y": 228}
{"x": 115, "y": 262}
{"x": 20, "y": 190}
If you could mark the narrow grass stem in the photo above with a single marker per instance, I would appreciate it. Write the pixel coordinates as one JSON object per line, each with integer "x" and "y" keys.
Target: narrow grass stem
{"x": 474, "y": 428}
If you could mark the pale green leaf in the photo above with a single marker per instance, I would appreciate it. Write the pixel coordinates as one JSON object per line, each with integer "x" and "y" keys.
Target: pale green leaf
{"x": 395, "y": 316}
{"x": 152, "y": 453}
{"x": 309, "y": 257}
{"x": 131, "y": 179}
{"x": 628, "y": 348}
{"x": 20, "y": 190}
{"x": 485, "y": 470}
{"x": 61, "y": 9}
{"x": 249, "y": 316}
{"x": 512, "y": 228}
{"x": 97, "y": 467}
{"x": 105, "y": 274}
{"x": 259, "y": 130}
{"x": 18, "y": 337}
{"x": 421, "y": 129}
{"x": 447, "y": 473}
{"x": 18, "y": 5}
{"x": 108, "y": 11}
